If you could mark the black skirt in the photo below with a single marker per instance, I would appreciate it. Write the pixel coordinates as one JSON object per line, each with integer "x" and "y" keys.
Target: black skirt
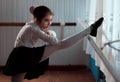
{"x": 26, "y": 60}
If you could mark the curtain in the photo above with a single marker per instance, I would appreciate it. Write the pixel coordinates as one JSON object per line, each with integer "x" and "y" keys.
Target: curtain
{"x": 109, "y": 31}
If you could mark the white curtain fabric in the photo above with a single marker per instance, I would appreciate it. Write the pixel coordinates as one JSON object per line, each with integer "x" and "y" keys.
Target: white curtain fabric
{"x": 109, "y": 31}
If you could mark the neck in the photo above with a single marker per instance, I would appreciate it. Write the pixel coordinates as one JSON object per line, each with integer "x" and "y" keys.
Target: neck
{"x": 37, "y": 23}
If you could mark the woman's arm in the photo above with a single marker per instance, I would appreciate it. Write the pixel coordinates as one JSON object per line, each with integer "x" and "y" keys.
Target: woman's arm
{"x": 47, "y": 36}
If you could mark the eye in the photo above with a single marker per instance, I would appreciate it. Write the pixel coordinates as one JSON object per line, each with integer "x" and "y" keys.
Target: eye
{"x": 47, "y": 20}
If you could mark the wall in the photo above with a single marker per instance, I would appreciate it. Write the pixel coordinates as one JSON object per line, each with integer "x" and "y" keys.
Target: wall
{"x": 65, "y": 11}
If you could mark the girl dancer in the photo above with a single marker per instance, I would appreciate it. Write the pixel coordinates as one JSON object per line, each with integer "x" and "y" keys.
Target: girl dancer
{"x": 27, "y": 60}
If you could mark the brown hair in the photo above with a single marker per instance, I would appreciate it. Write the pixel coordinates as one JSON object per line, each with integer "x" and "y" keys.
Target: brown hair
{"x": 40, "y": 12}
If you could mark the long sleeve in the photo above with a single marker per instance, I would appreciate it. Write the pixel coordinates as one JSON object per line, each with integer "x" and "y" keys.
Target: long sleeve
{"x": 30, "y": 34}
{"x": 50, "y": 39}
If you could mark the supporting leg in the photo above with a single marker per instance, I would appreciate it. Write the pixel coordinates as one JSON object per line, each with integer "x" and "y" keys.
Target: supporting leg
{"x": 18, "y": 77}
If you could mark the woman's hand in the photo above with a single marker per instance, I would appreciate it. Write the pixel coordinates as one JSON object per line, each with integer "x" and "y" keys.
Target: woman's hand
{"x": 47, "y": 31}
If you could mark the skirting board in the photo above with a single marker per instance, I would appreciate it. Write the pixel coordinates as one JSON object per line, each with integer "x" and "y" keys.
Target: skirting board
{"x": 64, "y": 67}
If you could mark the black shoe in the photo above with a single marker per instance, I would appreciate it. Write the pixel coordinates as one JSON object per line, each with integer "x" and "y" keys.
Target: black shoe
{"x": 95, "y": 26}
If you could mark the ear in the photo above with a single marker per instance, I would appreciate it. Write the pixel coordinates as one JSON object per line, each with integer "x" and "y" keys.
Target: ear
{"x": 31, "y": 9}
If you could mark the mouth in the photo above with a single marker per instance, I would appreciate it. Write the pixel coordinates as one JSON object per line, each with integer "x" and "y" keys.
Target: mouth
{"x": 47, "y": 26}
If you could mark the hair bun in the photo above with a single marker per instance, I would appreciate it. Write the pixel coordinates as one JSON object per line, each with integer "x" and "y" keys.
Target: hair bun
{"x": 32, "y": 9}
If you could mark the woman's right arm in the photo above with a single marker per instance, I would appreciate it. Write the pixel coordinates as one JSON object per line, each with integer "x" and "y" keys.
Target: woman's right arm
{"x": 49, "y": 38}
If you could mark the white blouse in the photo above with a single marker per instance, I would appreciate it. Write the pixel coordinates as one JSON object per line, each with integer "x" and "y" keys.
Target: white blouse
{"x": 30, "y": 34}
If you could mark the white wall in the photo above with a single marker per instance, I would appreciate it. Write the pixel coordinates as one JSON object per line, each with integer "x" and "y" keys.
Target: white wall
{"x": 65, "y": 11}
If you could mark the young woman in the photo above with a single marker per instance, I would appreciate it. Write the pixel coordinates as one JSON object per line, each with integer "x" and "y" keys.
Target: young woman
{"x": 27, "y": 60}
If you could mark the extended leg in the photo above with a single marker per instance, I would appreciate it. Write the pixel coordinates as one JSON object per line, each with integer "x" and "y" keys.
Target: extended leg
{"x": 68, "y": 42}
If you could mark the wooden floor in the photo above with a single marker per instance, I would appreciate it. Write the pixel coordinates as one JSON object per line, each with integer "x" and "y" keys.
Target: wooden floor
{"x": 59, "y": 76}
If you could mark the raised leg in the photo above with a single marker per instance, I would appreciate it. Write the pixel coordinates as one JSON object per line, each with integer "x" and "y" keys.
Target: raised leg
{"x": 71, "y": 40}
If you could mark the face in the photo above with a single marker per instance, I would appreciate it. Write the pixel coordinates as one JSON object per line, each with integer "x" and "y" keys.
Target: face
{"x": 46, "y": 21}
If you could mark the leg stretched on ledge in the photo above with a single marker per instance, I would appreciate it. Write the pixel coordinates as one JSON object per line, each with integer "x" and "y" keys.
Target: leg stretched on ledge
{"x": 69, "y": 41}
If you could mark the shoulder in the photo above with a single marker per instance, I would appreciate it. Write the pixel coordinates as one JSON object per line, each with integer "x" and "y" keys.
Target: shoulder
{"x": 30, "y": 25}
{"x": 26, "y": 27}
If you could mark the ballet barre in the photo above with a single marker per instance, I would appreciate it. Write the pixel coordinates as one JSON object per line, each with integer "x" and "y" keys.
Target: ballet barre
{"x": 110, "y": 68}
{"x": 58, "y": 24}
{"x": 22, "y": 24}
{"x": 104, "y": 59}
{"x": 109, "y": 44}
